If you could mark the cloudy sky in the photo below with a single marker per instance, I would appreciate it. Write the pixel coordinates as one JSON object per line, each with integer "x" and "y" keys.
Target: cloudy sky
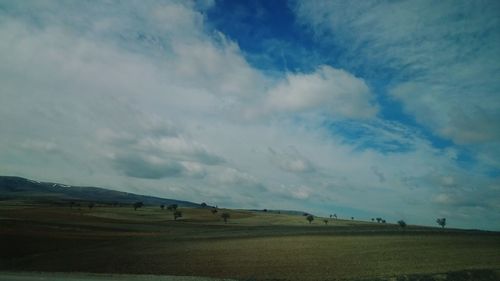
{"x": 360, "y": 108}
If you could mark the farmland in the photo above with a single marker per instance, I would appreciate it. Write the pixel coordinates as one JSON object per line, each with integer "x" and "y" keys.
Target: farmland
{"x": 253, "y": 245}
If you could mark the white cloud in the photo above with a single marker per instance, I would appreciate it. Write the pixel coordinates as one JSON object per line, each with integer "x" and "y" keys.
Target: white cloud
{"x": 291, "y": 160}
{"x": 131, "y": 103}
{"x": 443, "y": 58}
{"x": 333, "y": 91}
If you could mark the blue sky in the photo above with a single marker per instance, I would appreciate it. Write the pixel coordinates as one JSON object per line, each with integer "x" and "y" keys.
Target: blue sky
{"x": 366, "y": 109}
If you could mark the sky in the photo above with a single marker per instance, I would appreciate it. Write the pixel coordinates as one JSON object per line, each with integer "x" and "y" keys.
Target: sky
{"x": 359, "y": 108}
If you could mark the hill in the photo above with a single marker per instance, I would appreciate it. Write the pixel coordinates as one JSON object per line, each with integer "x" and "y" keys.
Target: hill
{"x": 17, "y": 188}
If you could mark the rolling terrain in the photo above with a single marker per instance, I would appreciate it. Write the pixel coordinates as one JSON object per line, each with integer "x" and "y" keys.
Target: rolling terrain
{"x": 17, "y": 188}
{"x": 252, "y": 245}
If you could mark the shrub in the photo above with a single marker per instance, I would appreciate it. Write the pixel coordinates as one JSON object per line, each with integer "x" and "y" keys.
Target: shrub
{"x": 177, "y": 214}
{"x": 441, "y": 222}
{"x": 402, "y": 223}
{"x": 138, "y": 205}
{"x": 310, "y": 218}
{"x": 225, "y": 216}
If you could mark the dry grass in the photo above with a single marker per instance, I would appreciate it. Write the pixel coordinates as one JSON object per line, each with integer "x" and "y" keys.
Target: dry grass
{"x": 253, "y": 245}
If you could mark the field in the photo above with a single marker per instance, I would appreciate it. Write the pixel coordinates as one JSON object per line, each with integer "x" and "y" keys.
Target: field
{"x": 251, "y": 246}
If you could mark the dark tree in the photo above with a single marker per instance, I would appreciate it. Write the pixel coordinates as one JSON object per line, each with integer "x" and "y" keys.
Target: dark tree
{"x": 71, "y": 204}
{"x": 335, "y": 216}
{"x": 172, "y": 207}
{"x": 91, "y": 205}
{"x": 352, "y": 218}
{"x": 441, "y": 222}
{"x": 325, "y": 221}
{"x": 138, "y": 205}
{"x": 383, "y": 221}
{"x": 373, "y": 219}
{"x": 225, "y": 216}
{"x": 265, "y": 210}
{"x": 203, "y": 205}
{"x": 331, "y": 215}
{"x": 402, "y": 223}
{"x": 162, "y": 207}
{"x": 177, "y": 214}
{"x": 379, "y": 219}
{"x": 214, "y": 211}
{"x": 310, "y": 218}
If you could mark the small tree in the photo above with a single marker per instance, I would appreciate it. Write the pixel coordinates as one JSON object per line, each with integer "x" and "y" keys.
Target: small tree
{"x": 352, "y": 218}
{"x": 172, "y": 207}
{"x": 225, "y": 216}
{"x": 310, "y": 218}
{"x": 265, "y": 210}
{"x": 331, "y": 215}
{"x": 214, "y": 211}
{"x": 177, "y": 214}
{"x": 373, "y": 219}
{"x": 441, "y": 222}
{"x": 71, "y": 204}
{"x": 379, "y": 220}
{"x": 402, "y": 223}
{"x": 335, "y": 216}
{"x": 383, "y": 221}
{"x": 91, "y": 205}
{"x": 138, "y": 205}
{"x": 162, "y": 207}
{"x": 203, "y": 205}
{"x": 325, "y": 221}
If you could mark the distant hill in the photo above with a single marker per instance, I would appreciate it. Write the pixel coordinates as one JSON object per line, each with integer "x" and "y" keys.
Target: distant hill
{"x": 17, "y": 188}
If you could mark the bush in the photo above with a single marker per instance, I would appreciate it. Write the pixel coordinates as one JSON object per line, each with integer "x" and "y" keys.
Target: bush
{"x": 402, "y": 223}
{"x": 310, "y": 218}
{"x": 225, "y": 216}
{"x": 441, "y": 222}
{"x": 177, "y": 214}
{"x": 138, "y": 205}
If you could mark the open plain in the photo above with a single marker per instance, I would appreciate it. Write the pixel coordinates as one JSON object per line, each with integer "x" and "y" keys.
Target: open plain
{"x": 252, "y": 245}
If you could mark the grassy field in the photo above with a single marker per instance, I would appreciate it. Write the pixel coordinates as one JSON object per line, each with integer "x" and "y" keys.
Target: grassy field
{"x": 251, "y": 246}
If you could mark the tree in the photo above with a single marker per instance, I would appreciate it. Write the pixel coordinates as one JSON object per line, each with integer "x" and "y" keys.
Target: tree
{"x": 214, "y": 211}
{"x": 331, "y": 215}
{"x": 71, "y": 204}
{"x": 383, "y": 221}
{"x": 91, "y": 205}
{"x": 352, "y": 218}
{"x": 265, "y": 210}
{"x": 225, "y": 216}
{"x": 177, "y": 214}
{"x": 441, "y": 222}
{"x": 379, "y": 220}
{"x": 203, "y": 205}
{"x": 172, "y": 207}
{"x": 138, "y": 205}
{"x": 162, "y": 207}
{"x": 373, "y": 219}
{"x": 335, "y": 216}
{"x": 325, "y": 221}
{"x": 402, "y": 223}
{"x": 310, "y": 218}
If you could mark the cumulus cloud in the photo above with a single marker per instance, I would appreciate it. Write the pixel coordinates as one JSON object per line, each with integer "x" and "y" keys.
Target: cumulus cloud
{"x": 442, "y": 56}
{"x": 291, "y": 160}
{"x": 334, "y": 91}
{"x": 130, "y": 102}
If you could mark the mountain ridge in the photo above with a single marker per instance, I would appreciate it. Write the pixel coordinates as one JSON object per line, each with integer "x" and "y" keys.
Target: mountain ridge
{"x": 13, "y": 187}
